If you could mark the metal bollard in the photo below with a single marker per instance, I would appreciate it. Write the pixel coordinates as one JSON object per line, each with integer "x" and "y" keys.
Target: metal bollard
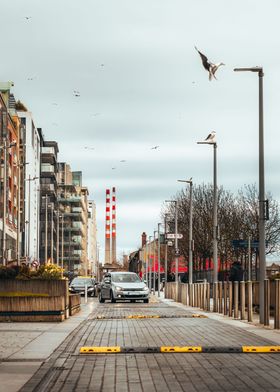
{"x": 230, "y": 302}
{"x": 220, "y": 297}
{"x": 215, "y": 297}
{"x": 225, "y": 298}
{"x": 242, "y": 300}
{"x": 277, "y": 305}
{"x": 266, "y": 302}
{"x": 235, "y": 299}
{"x": 250, "y": 301}
{"x": 85, "y": 293}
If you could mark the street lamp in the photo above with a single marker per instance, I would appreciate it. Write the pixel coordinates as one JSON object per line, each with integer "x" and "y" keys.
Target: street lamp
{"x": 262, "y": 201}
{"x": 191, "y": 245}
{"x": 212, "y": 141}
{"x": 150, "y": 262}
{"x": 176, "y": 239}
{"x": 5, "y": 147}
{"x": 159, "y": 224}
{"x": 154, "y": 262}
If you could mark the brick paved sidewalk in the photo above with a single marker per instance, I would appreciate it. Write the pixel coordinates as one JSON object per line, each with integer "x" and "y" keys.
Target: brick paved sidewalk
{"x": 67, "y": 370}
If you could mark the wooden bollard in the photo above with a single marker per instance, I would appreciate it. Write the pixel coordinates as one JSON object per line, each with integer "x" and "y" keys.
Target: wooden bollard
{"x": 208, "y": 297}
{"x": 266, "y": 302}
{"x": 242, "y": 300}
{"x": 277, "y": 305}
{"x": 215, "y": 297}
{"x": 190, "y": 294}
{"x": 230, "y": 300}
{"x": 220, "y": 297}
{"x": 225, "y": 298}
{"x": 236, "y": 299}
{"x": 198, "y": 295}
{"x": 250, "y": 301}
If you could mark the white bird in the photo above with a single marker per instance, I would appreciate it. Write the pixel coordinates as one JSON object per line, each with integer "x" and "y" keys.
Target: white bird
{"x": 123, "y": 160}
{"x": 210, "y": 67}
{"x": 211, "y": 138}
{"x": 76, "y": 93}
{"x": 89, "y": 148}
{"x": 154, "y": 148}
{"x": 27, "y": 17}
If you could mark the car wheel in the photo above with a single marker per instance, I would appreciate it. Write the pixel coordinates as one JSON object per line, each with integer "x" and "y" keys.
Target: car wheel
{"x": 101, "y": 299}
{"x": 112, "y": 298}
{"x": 146, "y": 301}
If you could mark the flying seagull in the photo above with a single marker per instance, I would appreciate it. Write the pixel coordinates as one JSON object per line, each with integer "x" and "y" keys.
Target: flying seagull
{"x": 76, "y": 93}
{"x": 154, "y": 148}
{"x": 113, "y": 168}
{"x": 210, "y": 67}
{"x": 27, "y": 17}
{"x": 211, "y": 137}
{"x": 89, "y": 148}
{"x": 123, "y": 160}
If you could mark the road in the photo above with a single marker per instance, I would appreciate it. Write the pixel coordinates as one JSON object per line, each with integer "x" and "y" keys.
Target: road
{"x": 108, "y": 325}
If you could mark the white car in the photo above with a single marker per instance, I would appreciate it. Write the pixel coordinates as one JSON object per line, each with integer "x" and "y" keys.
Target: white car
{"x": 123, "y": 286}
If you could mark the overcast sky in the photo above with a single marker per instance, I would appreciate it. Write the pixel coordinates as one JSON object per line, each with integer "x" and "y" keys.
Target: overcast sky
{"x": 142, "y": 84}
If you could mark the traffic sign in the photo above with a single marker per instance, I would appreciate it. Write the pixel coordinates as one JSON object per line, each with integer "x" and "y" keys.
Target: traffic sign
{"x": 171, "y": 236}
{"x": 244, "y": 243}
{"x": 177, "y": 252}
{"x": 169, "y": 243}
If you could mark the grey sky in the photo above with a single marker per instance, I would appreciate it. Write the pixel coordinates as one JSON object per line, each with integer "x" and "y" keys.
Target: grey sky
{"x": 142, "y": 84}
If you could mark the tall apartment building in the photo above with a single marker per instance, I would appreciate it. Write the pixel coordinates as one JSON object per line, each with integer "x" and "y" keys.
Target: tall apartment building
{"x": 30, "y": 185}
{"x": 92, "y": 239}
{"x": 9, "y": 191}
{"x": 49, "y": 206}
{"x": 73, "y": 206}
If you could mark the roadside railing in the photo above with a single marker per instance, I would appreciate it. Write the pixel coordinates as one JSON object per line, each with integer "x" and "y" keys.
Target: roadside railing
{"x": 233, "y": 299}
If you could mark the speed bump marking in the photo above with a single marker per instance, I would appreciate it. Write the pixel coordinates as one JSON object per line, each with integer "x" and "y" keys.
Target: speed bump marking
{"x": 100, "y": 350}
{"x": 142, "y": 316}
{"x": 261, "y": 349}
{"x": 183, "y": 349}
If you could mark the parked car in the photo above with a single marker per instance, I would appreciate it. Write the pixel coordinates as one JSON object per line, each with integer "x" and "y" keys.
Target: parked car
{"x": 79, "y": 283}
{"x": 123, "y": 286}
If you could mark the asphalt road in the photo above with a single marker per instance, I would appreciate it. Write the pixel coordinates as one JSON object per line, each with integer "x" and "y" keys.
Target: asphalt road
{"x": 108, "y": 325}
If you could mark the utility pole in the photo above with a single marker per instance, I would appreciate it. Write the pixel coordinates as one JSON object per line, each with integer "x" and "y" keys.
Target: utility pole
{"x": 46, "y": 230}
{"x": 165, "y": 250}
{"x": 154, "y": 263}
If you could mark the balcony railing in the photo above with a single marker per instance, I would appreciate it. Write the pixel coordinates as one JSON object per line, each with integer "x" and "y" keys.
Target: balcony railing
{"x": 48, "y": 150}
{"x": 46, "y": 168}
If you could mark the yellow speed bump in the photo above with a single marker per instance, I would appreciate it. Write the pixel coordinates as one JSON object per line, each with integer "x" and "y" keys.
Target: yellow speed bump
{"x": 195, "y": 315}
{"x": 261, "y": 349}
{"x": 100, "y": 350}
{"x": 141, "y": 316}
{"x": 182, "y": 349}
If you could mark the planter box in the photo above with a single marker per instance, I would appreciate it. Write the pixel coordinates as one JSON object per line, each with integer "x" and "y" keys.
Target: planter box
{"x": 32, "y": 308}
{"x": 74, "y": 303}
{"x": 52, "y": 288}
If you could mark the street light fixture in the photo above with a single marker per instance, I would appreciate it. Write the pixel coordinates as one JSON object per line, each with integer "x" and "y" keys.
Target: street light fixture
{"x": 262, "y": 201}
{"x": 176, "y": 239}
{"x": 191, "y": 245}
{"x": 215, "y": 207}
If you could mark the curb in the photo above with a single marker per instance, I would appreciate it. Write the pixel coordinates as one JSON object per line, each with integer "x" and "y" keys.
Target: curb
{"x": 143, "y": 316}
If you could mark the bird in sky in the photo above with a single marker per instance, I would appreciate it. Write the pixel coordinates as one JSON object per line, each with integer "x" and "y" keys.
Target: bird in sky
{"x": 154, "y": 148}
{"x": 30, "y": 78}
{"x": 76, "y": 93}
{"x": 89, "y": 148}
{"x": 123, "y": 160}
{"x": 211, "y": 138}
{"x": 27, "y": 17}
{"x": 113, "y": 168}
{"x": 96, "y": 114}
{"x": 54, "y": 103}
{"x": 210, "y": 67}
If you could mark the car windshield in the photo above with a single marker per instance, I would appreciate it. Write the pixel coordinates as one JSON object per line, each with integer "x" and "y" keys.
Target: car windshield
{"x": 81, "y": 281}
{"x": 125, "y": 278}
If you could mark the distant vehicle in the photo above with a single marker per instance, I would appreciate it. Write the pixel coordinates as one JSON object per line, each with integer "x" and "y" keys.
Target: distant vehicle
{"x": 123, "y": 286}
{"x": 77, "y": 286}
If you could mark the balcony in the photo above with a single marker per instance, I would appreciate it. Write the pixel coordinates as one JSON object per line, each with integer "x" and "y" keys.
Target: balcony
{"x": 47, "y": 168}
{"x": 48, "y": 150}
{"x": 47, "y": 188}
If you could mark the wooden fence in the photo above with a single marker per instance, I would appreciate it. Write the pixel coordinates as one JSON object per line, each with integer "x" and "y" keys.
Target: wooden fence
{"x": 234, "y": 299}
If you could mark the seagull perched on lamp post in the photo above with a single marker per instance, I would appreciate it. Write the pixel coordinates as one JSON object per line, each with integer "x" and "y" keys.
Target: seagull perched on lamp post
{"x": 210, "y": 67}
{"x": 211, "y": 138}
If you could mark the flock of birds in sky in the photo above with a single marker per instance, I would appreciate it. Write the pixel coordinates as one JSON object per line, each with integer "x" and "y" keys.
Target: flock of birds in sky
{"x": 210, "y": 67}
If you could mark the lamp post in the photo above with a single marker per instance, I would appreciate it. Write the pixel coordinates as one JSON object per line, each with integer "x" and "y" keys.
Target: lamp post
{"x": 159, "y": 224}
{"x": 150, "y": 262}
{"x": 215, "y": 207}
{"x": 262, "y": 212}
{"x": 5, "y": 147}
{"x": 191, "y": 245}
{"x": 154, "y": 262}
{"x": 165, "y": 250}
{"x": 29, "y": 179}
{"x": 176, "y": 239}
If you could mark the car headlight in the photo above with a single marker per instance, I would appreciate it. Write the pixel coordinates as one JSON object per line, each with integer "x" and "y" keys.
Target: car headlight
{"x": 117, "y": 288}
{"x": 146, "y": 288}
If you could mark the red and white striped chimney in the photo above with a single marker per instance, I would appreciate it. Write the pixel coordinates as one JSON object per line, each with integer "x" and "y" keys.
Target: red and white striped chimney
{"x": 114, "y": 231}
{"x": 107, "y": 229}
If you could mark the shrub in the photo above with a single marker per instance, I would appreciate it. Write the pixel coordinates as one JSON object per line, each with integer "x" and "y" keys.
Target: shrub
{"x": 47, "y": 272}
